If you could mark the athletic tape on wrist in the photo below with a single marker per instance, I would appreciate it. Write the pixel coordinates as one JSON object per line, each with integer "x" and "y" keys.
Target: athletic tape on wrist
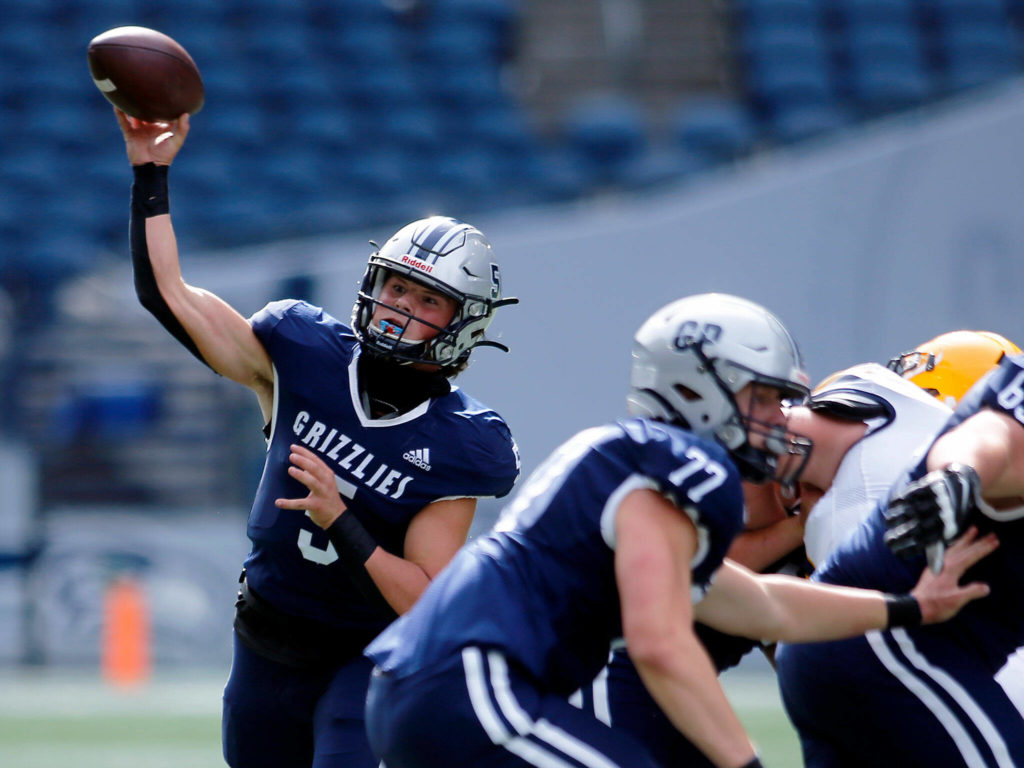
{"x": 151, "y": 189}
{"x": 352, "y": 541}
{"x": 902, "y": 610}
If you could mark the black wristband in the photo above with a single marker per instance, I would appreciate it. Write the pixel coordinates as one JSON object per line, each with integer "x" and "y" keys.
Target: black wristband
{"x": 903, "y": 611}
{"x": 352, "y": 541}
{"x": 754, "y": 763}
{"x": 151, "y": 189}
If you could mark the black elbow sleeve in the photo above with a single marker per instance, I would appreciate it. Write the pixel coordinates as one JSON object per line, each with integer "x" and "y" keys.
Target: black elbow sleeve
{"x": 150, "y": 198}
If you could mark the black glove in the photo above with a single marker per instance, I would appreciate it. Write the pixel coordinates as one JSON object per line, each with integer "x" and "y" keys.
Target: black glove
{"x": 931, "y": 512}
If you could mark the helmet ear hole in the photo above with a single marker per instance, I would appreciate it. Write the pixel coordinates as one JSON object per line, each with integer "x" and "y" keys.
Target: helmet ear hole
{"x": 686, "y": 393}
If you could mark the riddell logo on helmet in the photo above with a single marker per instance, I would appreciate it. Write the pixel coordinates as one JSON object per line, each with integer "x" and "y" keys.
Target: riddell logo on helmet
{"x": 417, "y": 264}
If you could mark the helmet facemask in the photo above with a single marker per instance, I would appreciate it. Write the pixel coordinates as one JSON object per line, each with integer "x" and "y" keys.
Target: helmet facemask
{"x": 783, "y": 454}
{"x": 387, "y": 340}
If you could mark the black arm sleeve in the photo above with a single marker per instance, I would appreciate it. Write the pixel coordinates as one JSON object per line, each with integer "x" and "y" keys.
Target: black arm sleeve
{"x": 149, "y": 198}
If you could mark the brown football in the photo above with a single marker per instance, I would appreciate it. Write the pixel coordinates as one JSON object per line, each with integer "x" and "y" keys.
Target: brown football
{"x": 145, "y": 73}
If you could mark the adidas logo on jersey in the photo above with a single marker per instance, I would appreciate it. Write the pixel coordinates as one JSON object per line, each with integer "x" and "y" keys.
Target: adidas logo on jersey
{"x": 420, "y": 457}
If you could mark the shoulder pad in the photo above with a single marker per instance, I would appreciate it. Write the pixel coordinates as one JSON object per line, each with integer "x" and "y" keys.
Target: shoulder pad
{"x": 851, "y": 405}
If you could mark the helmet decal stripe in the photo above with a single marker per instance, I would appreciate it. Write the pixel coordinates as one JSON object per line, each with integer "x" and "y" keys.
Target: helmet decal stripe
{"x": 432, "y": 241}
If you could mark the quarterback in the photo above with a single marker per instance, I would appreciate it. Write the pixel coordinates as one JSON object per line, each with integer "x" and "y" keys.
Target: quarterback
{"x": 374, "y": 459}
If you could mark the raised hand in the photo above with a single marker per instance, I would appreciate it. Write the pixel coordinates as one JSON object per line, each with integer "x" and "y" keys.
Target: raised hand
{"x": 152, "y": 142}
{"x": 941, "y": 595}
{"x": 930, "y": 512}
{"x": 323, "y": 503}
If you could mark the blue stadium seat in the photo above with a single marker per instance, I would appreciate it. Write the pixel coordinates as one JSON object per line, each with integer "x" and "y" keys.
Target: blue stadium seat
{"x": 760, "y": 12}
{"x": 803, "y": 43}
{"x": 606, "y": 132}
{"x": 502, "y": 128}
{"x": 718, "y": 128}
{"x": 881, "y": 86}
{"x": 462, "y": 41}
{"x": 979, "y": 53}
{"x": 778, "y": 86}
{"x": 357, "y": 43}
{"x": 380, "y": 86}
{"x": 455, "y": 85}
{"x": 853, "y": 12}
{"x": 950, "y": 13}
{"x": 800, "y": 122}
{"x": 886, "y": 67}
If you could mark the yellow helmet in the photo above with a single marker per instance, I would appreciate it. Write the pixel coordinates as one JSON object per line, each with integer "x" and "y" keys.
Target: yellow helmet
{"x": 948, "y": 365}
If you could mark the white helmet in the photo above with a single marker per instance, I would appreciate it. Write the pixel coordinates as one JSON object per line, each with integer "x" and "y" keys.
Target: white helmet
{"x": 692, "y": 356}
{"x": 447, "y": 256}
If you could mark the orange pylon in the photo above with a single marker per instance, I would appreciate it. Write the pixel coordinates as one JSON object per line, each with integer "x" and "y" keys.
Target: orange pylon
{"x": 125, "y": 641}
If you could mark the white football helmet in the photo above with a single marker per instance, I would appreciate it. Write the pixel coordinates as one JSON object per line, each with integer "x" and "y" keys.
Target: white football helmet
{"x": 692, "y": 356}
{"x": 445, "y": 255}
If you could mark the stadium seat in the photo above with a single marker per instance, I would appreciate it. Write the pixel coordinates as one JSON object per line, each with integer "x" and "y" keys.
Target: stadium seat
{"x": 717, "y": 128}
{"x": 799, "y": 122}
{"x": 605, "y": 132}
{"x": 804, "y": 43}
{"x": 778, "y": 86}
{"x": 885, "y": 12}
{"x": 979, "y": 53}
{"x": 886, "y": 67}
{"x": 457, "y": 86}
{"x": 951, "y": 13}
{"x": 753, "y": 13}
{"x": 381, "y": 86}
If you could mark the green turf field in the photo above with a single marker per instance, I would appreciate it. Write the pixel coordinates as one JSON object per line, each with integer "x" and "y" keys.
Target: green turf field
{"x": 54, "y": 720}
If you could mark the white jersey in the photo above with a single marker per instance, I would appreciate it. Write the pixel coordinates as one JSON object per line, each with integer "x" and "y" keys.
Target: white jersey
{"x": 871, "y": 467}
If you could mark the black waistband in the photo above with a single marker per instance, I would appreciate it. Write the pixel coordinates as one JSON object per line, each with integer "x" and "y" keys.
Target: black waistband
{"x": 295, "y": 641}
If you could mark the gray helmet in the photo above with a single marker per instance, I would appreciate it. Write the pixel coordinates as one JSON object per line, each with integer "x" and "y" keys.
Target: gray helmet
{"x": 692, "y": 356}
{"x": 450, "y": 257}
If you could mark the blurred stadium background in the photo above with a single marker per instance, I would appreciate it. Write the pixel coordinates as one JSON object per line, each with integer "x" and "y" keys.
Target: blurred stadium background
{"x": 856, "y": 165}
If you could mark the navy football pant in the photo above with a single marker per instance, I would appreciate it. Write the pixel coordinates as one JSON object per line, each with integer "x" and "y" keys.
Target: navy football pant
{"x": 619, "y": 698}
{"x": 475, "y": 710}
{"x": 898, "y": 699}
{"x": 275, "y": 715}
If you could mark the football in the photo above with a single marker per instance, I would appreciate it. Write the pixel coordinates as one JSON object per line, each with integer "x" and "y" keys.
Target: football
{"x": 145, "y": 73}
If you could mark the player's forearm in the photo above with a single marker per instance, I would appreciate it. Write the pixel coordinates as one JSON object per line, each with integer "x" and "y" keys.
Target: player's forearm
{"x": 686, "y": 687}
{"x": 400, "y": 581}
{"x": 806, "y": 612}
{"x": 154, "y": 250}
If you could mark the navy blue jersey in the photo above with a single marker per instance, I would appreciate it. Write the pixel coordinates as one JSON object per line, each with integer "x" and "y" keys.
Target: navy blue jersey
{"x": 541, "y": 586}
{"x": 992, "y": 627}
{"x": 387, "y": 470}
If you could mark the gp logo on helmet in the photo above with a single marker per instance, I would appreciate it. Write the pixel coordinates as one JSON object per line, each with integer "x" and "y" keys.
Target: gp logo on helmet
{"x": 692, "y": 332}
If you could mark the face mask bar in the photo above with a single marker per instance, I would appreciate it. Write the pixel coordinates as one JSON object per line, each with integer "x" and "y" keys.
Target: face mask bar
{"x": 912, "y": 361}
{"x": 394, "y": 345}
{"x": 785, "y": 453}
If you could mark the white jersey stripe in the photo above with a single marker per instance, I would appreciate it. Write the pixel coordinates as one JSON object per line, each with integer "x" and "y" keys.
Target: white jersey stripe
{"x": 960, "y": 695}
{"x": 497, "y": 732}
{"x": 541, "y": 729}
{"x": 602, "y": 706}
{"x": 551, "y": 741}
{"x": 948, "y": 720}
